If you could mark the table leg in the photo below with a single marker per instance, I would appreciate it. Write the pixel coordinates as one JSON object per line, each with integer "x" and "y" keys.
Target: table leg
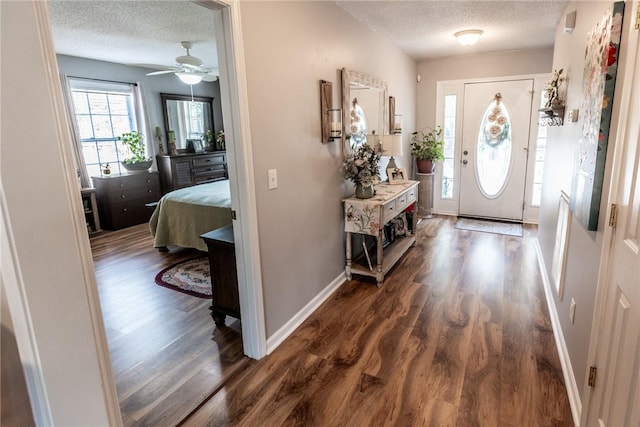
{"x": 347, "y": 269}
{"x": 379, "y": 273}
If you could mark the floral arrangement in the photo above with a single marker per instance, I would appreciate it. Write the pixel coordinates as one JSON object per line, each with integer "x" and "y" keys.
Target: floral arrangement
{"x": 133, "y": 141}
{"x": 220, "y": 139}
{"x": 361, "y": 167}
{"x": 552, "y": 89}
{"x": 428, "y": 144}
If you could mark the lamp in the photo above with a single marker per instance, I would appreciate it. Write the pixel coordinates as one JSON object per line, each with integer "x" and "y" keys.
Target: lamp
{"x": 189, "y": 78}
{"x": 468, "y": 37}
{"x": 392, "y": 146}
{"x": 330, "y": 118}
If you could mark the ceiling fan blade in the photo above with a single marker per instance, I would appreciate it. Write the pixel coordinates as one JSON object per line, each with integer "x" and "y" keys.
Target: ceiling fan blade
{"x": 209, "y": 77}
{"x": 157, "y": 73}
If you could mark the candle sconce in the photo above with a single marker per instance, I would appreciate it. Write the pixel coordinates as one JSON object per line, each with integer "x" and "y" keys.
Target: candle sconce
{"x": 330, "y": 118}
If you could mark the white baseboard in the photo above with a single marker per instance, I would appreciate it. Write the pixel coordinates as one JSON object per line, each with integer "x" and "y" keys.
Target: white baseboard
{"x": 288, "y": 328}
{"x": 563, "y": 352}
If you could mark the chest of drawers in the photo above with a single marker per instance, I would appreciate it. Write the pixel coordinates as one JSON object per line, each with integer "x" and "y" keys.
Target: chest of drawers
{"x": 122, "y": 198}
{"x": 185, "y": 170}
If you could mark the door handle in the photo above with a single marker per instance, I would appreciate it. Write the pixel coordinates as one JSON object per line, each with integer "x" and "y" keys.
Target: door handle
{"x": 465, "y": 152}
{"x": 464, "y": 162}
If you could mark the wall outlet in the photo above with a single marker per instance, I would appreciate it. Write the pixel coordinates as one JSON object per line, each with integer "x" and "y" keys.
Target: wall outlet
{"x": 273, "y": 178}
{"x": 572, "y": 310}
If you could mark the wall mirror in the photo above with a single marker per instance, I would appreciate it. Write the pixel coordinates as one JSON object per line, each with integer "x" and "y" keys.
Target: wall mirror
{"x": 364, "y": 108}
{"x": 188, "y": 117}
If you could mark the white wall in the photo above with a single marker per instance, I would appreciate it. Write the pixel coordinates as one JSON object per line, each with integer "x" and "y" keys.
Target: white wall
{"x": 289, "y": 47}
{"x": 514, "y": 63}
{"x": 584, "y": 246}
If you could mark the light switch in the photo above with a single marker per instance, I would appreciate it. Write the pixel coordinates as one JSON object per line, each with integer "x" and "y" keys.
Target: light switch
{"x": 273, "y": 179}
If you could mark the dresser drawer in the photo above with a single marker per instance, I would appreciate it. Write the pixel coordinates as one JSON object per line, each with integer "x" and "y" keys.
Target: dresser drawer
{"x": 389, "y": 211}
{"x": 401, "y": 202}
{"x": 412, "y": 195}
{"x": 217, "y": 159}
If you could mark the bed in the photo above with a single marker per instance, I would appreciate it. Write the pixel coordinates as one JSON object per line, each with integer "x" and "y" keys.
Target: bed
{"x": 182, "y": 215}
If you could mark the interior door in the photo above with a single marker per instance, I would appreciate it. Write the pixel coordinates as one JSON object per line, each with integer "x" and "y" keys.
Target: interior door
{"x": 616, "y": 395}
{"x": 495, "y": 131}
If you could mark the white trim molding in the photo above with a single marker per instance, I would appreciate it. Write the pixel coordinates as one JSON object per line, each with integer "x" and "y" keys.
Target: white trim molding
{"x": 563, "y": 352}
{"x": 288, "y": 328}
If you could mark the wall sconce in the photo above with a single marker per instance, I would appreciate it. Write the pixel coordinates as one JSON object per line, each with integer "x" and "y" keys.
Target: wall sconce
{"x": 397, "y": 124}
{"x": 392, "y": 146}
{"x": 395, "y": 120}
{"x": 330, "y": 118}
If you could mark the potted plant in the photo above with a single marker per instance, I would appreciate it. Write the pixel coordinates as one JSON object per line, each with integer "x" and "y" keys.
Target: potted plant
{"x": 427, "y": 147}
{"x": 138, "y": 161}
{"x": 362, "y": 169}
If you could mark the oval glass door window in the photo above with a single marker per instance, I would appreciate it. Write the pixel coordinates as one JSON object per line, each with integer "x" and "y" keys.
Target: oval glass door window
{"x": 493, "y": 156}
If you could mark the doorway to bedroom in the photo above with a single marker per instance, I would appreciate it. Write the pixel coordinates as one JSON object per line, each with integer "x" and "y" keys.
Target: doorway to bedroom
{"x": 167, "y": 356}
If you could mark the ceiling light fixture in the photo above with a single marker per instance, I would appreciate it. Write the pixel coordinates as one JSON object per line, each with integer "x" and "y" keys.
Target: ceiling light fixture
{"x": 468, "y": 37}
{"x": 189, "y": 78}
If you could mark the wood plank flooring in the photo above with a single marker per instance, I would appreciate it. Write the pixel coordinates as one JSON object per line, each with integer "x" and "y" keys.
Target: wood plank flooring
{"x": 459, "y": 335}
{"x": 166, "y": 353}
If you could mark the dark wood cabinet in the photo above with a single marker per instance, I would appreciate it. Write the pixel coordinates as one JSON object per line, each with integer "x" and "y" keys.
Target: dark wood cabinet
{"x": 122, "y": 198}
{"x": 224, "y": 277}
{"x": 185, "y": 170}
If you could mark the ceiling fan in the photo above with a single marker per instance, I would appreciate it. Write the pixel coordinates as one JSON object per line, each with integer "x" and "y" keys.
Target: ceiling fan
{"x": 189, "y": 68}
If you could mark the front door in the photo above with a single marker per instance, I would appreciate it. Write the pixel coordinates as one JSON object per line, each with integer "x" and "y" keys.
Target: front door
{"x": 616, "y": 395}
{"x": 495, "y": 132}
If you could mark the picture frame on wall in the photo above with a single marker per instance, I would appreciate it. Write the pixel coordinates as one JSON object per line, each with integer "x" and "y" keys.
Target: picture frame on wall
{"x": 397, "y": 175}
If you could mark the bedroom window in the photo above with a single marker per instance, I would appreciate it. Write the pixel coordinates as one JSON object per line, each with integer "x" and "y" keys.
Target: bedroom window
{"x": 103, "y": 111}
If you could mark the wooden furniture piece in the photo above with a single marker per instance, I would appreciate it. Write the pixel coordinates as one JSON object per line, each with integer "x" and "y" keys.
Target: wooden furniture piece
{"x": 368, "y": 217}
{"x": 122, "y": 198}
{"x": 224, "y": 278}
{"x": 425, "y": 195}
{"x": 185, "y": 170}
{"x": 91, "y": 211}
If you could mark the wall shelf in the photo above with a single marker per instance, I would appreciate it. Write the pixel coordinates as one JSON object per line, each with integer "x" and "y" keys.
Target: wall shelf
{"x": 553, "y": 116}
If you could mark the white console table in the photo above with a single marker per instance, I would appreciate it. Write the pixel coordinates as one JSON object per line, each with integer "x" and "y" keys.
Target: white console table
{"x": 368, "y": 217}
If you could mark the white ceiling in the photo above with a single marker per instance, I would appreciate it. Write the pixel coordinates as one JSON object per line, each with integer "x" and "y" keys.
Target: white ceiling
{"x": 139, "y": 32}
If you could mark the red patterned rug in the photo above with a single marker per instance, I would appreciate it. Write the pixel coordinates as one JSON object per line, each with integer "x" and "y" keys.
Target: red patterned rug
{"x": 191, "y": 277}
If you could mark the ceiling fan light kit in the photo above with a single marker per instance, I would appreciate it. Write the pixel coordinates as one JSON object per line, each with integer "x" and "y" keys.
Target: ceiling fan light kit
{"x": 468, "y": 37}
{"x": 189, "y": 78}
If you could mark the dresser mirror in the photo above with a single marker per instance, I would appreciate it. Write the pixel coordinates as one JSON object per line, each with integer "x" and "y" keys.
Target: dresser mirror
{"x": 364, "y": 108}
{"x": 188, "y": 117}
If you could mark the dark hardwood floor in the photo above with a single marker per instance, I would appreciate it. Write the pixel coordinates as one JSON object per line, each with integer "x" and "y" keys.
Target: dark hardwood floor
{"x": 166, "y": 353}
{"x": 459, "y": 335}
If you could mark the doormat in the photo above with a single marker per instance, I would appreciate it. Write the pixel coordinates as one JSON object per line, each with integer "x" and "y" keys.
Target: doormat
{"x": 486, "y": 226}
{"x": 190, "y": 277}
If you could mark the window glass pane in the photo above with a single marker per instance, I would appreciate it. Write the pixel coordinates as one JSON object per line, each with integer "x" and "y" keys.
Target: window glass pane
{"x": 84, "y": 126}
{"x": 102, "y": 127}
{"x": 94, "y": 169}
{"x": 118, "y": 105}
{"x": 493, "y": 150}
{"x": 541, "y": 145}
{"x": 120, "y": 125}
{"x": 449, "y": 127}
{"x": 80, "y": 102}
{"x": 537, "y": 194}
{"x": 447, "y": 179}
{"x": 98, "y": 103}
{"x": 107, "y": 151}
{"x": 89, "y": 152}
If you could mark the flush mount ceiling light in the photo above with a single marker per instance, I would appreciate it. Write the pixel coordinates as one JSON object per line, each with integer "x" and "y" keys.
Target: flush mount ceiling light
{"x": 468, "y": 37}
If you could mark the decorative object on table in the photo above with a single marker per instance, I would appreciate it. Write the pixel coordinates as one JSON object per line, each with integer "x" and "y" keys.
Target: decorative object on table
{"x": 553, "y": 112}
{"x": 397, "y": 175}
{"x": 159, "y": 138}
{"x": 137, "y": 162}
{"x": 106, "y": 170}
{"x": 392, "y": 146}
{"x": 171, "y": 142}
{"x": 191, "y": 277}
{"x": 194, "y": 146}
{"x": 600, "y": 71}
{"x": 552, "y": 90}
{"x": 361, "y": 167}
{"x": 220, "y": 140}
{"x": 208, "y": 139}
{"x": 330, "y": 118}
{"x": 427, "y": 146}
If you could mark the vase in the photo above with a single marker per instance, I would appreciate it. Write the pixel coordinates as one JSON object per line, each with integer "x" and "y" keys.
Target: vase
{"x": 424, "y": 165}
{"x": 364, "y": 191}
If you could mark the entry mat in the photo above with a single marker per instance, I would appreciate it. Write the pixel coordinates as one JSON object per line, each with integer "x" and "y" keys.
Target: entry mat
{"x": 488, "y": 226}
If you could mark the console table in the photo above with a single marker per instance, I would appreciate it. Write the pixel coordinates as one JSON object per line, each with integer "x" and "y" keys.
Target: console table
{"x": 368, "y": 217}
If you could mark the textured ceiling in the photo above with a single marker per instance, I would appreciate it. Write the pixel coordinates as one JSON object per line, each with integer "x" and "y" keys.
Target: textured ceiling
{"x": 139, "y": 32}
{"x": 425, "y": 29}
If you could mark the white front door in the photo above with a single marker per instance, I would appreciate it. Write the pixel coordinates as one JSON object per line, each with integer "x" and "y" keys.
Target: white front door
{"x": 495, "y": 132}
{"x": 615, "y": 399}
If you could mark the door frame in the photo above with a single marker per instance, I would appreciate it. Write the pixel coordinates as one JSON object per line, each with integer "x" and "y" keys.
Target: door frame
{"x": 49, "y": 402}
{"x": 456, "y": 87}
{"x": 621, "y": 106}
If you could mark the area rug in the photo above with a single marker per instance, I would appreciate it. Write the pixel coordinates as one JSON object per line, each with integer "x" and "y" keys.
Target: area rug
{"x": 486, "y": 226}
{"x": 191, "y": 277}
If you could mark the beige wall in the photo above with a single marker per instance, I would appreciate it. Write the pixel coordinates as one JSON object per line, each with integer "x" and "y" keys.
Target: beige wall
{"x": 289, "y": 47}
{"x": 584, "y": 246}
{"x": 497, "y": 64}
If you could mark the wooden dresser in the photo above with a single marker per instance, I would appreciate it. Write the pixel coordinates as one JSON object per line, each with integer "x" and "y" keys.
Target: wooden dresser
{"x": 185, "y": 170}
{"x": 122, "y": 198}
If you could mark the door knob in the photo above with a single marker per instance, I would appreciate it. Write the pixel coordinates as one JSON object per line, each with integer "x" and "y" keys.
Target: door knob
{"x": 464, "y": 162}
{"x": 465, "y": 152}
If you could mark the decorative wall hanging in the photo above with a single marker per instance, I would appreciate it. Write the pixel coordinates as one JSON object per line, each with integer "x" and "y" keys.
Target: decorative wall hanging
{"x": 330, "y": 118}
{"x": 600, "y": 70}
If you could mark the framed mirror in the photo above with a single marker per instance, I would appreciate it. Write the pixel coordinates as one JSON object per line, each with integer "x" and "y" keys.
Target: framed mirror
{"x": 364, "y": 108}
{"x": 189, "y": 118}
